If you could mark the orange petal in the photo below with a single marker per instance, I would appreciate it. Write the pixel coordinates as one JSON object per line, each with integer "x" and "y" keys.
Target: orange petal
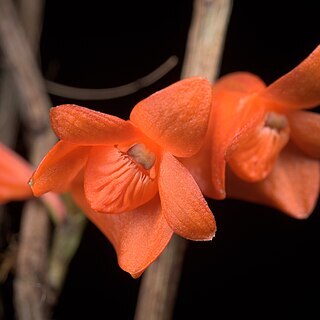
{"x": 292, "y": 186}
{"x": 15, "y": 173}
{"x": 138, "y": 236}
{"x": 58, "y": 168}
{"x": 252, "y": 157}
{"x": 177, "y": 116}
{"x": 199, "y": 166}
{"x": 182, "y": 203}
{"x": 87, "y": 127}
{"x": 115, "y": 183}
{"x": 241, "y": 82}
{"x": 305, "y": 132}
{"x": 234, "y": 116}
{"x": 300, "y": 88}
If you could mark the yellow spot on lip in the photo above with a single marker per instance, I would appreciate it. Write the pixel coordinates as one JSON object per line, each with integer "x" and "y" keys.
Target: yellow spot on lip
{"x": 142, "y": 155}
{"x": 276, "y": 121}
{"x": 30, "y": 183}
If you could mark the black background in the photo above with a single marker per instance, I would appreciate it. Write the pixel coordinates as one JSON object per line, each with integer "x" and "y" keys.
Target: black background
{"x": 262, "y": 262}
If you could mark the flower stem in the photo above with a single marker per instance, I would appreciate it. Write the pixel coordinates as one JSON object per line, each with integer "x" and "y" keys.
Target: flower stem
{"x": 160, "y": 284}
{"x": 204, "y": 49}
{"x": 30, "y": 281}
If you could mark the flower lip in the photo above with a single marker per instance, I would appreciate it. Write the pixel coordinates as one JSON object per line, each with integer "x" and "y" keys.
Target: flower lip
{"x": 117, "y": 179}
{"x": 276, "y": 121}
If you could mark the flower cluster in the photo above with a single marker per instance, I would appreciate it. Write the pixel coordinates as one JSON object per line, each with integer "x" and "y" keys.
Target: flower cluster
{"x": 260, "y": 146}
{"x": 143, "y": 179}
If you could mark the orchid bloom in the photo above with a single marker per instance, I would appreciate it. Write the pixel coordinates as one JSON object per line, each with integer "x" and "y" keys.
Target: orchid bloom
{"x": 270, "y": 145}
{"x": 125, "y": 175}
{"x": 15, "y": 173}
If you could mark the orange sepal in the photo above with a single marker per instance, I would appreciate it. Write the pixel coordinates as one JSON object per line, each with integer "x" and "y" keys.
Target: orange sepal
{"x": 292, "y": 186}
{"x": 14, "y": 176}
{"x": 138, "y": 236}
{"x": 199, "y": 166}
{"x": 83, "y": 126}
{"x": 177, "y": 116}
{"x": 241, "y": 82}
{"x": 300, "y": 88}
{"x": 58, "y": 168}
{"x": 234, "y": 116}
{"x": 114, "y": 183}
{"x": 305, "y": 132}
{"x": 182, "y": 202}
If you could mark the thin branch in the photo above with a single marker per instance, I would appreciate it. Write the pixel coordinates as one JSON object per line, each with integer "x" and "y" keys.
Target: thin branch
{"x": 31, "y": 18}
{"x": 62, "y": 90}
{"x": 30, "y": 288}
{"x": 24, "y": 68}
{"x": 8, "y": 110}
{"x": 66, "y": 238}
{"x": 203, "y": 56}
{"x": 8, "y": 135}
{"x": 159, "y": 285}
{"x": 206, "y": 38}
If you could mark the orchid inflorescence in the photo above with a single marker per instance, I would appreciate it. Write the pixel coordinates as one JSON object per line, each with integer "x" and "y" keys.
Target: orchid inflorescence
{"x": 143, "y": 179}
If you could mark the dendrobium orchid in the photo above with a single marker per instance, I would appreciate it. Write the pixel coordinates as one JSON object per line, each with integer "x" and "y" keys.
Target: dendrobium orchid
{"x": 125, "y": 175}
{"x": 15, "y": 173}
{"x": 271, "y": 146}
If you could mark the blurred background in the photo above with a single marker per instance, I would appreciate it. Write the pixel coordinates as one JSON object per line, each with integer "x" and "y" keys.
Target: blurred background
{"x": 261, "y": 262}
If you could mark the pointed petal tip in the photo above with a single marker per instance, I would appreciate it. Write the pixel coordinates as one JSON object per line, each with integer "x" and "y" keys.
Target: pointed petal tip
{"x": 208, "y": 236}
{"x": 216, "y": 192}
{"x": 220, "y": 194}
{"x": 136, "y": 275}
{"x": 33, "y": 188}
{"x": 299, "y": 88}
{"x": 183, "y": 205}
{"x": 300, "y": 215}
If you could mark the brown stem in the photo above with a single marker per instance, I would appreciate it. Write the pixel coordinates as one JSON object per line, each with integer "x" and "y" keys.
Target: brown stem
{"x": 159, "y": 285}
{"x": 24, "y": 68}
{"x": 66, "y": 238}
{"x": 206, "y": 38}
{"x": 8, "y": 110}
{"x": 8, "y": 130}
{"x": 31, "y": 18}
{"x": 203, "y": 56}
{"x": 30, "y": 288}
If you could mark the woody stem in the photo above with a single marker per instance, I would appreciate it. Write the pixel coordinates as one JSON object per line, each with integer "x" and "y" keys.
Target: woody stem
{"x": 204, "y": 49}
{"x": 29, "y": 285}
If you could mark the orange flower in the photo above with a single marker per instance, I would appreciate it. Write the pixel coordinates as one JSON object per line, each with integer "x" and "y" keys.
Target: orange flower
{"x": 15, "y": 173}
{"x": 272, "y": 148}
{"x": 124, "y": 174}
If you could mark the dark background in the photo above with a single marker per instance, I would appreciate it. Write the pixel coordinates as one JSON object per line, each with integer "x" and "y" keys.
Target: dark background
{"x": 262, "y": 262}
